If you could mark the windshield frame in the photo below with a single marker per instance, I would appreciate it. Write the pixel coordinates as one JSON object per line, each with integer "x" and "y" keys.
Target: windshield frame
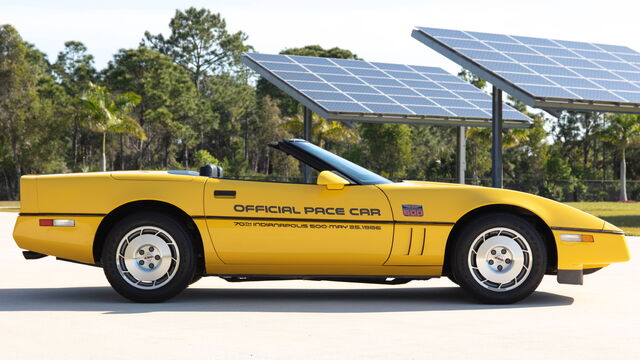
{"x": 321, "y": 160}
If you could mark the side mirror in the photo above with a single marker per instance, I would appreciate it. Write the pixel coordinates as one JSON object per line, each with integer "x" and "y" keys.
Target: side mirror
{"x": 331, "y": 180}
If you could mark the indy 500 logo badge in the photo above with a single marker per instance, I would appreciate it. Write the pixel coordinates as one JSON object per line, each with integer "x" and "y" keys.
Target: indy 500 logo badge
{"x": 412, "y": 210}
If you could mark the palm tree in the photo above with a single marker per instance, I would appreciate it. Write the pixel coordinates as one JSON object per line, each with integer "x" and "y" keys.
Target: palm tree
{"x": 107, "y": 114}
{"x": 322, "y": 131}
{"x": 623, "y": 130}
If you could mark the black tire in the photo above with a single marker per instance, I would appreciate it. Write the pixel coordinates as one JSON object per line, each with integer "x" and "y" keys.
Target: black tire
{"x": 195, "y": 279}
{"x": 485, "y": 235}
{"x": 453, "y": 279}
{"x": 180, "y": 257}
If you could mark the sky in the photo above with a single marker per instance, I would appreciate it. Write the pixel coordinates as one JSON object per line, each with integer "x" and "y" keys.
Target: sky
{"x": 374, "y": 30}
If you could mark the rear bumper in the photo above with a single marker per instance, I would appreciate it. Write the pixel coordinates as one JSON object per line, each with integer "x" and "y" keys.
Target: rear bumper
{"x": 74, "y": 243}
{"x": 608, "y": 247}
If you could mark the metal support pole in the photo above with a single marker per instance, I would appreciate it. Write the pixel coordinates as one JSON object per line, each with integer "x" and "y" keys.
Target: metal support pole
{"x": 306, "y": 170}
{"x": 461, "y": 159}
{"x": 496, "y": 139}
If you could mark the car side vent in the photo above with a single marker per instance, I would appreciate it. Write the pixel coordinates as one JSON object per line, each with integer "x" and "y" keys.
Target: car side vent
{"x": 212, "y": 171}
{"x": 410, "y": 245}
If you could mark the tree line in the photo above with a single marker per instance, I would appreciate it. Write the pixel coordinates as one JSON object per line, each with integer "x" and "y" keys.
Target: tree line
{"x": 181, "y": 101}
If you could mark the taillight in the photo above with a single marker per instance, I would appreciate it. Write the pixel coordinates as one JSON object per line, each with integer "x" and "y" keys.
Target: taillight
{"x": 58, "y": 222}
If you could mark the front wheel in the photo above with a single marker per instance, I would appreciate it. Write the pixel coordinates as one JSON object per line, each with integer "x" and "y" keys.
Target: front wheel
{"x": 149, "y": 257}
{"x": 499, "y": 259}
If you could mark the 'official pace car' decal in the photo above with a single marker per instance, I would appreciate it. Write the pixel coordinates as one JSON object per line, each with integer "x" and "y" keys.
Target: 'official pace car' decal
{"x": 412, "y": 210}
{"x": 306, "y": 210}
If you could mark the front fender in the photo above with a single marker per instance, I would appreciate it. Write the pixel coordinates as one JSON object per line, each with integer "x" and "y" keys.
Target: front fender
{"x": 448, "y": 203}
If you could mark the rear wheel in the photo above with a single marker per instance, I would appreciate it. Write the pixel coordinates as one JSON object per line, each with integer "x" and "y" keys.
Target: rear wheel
{"x": 452, "y": 278}
{"x": 499, "y": 259}
{"x": 149, "y": 257}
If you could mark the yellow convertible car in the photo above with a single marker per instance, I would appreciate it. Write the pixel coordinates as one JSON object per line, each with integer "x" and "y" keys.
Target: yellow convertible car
{"x": 156, "y": 232}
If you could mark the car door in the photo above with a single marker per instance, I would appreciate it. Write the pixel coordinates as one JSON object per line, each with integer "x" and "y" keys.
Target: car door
{"x": 267, "y": 223}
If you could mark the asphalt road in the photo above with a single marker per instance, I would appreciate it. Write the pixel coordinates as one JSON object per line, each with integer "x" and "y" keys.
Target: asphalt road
{"x": 56, "y": 310}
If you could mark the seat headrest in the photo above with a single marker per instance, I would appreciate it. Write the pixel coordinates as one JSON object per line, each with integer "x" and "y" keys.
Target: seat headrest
{"x": 212, "y": 171}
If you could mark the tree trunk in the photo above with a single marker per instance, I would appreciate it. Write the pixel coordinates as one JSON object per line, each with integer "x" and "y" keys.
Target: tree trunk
{"x": 75, "y": 145}
{"x": 7, "y": 188}
{"x": 121, "y": 152}
{"x": 165, "y": 161}
{"x": 246, "y": 138}
{"x": 103, "y": 158}
{"x": 16, "y": 164}
{"x": 186, "y": 156}
{"x": 623, "y": 176}
{"x": 267, "y": 163}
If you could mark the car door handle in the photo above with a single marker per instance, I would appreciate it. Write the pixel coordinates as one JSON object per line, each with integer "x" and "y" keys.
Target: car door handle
{"x": 224, "y": 194}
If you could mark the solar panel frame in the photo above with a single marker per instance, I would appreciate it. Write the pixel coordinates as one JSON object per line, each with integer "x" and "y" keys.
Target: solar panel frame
{"x": 607, "y": 74}
{"x": 378, "y": 92}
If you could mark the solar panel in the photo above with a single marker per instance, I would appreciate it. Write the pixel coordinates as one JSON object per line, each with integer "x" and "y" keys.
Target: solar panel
{"x": 546, "y": 73}
{"x": 353, "y": 90}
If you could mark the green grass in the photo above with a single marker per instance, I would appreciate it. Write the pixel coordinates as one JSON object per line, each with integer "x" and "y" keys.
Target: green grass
{"x": 623, "y": 215}
{"x": 9, "y": 206}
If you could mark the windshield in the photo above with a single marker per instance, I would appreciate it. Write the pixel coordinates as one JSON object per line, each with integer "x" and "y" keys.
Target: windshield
{"x": 355, "y": 172}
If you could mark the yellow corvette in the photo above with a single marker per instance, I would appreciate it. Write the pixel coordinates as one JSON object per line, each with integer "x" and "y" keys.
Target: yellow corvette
{"x": 156, "y": 232}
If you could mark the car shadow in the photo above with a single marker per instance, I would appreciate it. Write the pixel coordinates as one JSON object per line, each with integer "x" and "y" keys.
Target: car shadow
{"x": 104, "y": 299}
{"x": 622, "y": 220}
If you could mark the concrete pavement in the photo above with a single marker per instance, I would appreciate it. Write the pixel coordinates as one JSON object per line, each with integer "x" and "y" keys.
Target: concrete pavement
{"x": 56, "y": 310}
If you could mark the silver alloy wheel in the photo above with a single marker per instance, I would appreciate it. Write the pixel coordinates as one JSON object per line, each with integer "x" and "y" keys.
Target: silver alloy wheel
{"x": 500, "y": 259}
{"x": 147, "y": 257}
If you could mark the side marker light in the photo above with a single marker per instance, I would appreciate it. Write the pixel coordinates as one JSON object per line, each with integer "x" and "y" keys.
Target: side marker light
{"x": 576, "y": 238}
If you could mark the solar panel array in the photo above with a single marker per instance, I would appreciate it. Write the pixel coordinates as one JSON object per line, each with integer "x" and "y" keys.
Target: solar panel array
{"x": 548, "y": 68}
{"x": 342, "y": 86}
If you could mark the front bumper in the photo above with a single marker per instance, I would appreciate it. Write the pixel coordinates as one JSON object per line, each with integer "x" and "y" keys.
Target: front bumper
{"x": 574, "y": 257}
